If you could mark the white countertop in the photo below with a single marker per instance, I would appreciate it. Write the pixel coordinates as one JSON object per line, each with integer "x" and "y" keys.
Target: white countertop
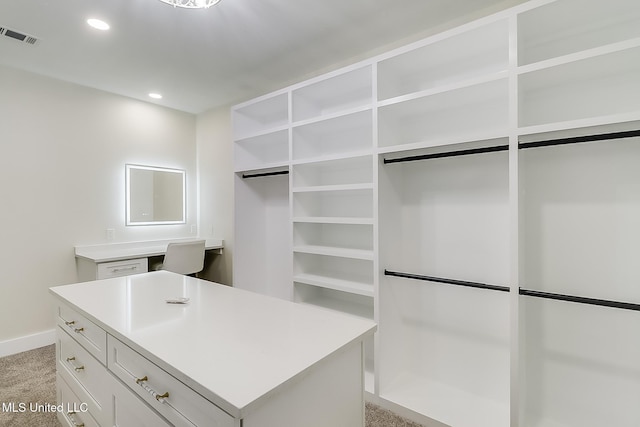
{"x": 129, "y": 250}
{"x": 232, "y": 346}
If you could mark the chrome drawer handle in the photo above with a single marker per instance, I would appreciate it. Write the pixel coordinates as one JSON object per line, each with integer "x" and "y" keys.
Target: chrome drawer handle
{"x": 70, "y": 322}
{"x": 76, "y": 368}
{"x": 78, "y": 330}
{"x": 116, "y": 270}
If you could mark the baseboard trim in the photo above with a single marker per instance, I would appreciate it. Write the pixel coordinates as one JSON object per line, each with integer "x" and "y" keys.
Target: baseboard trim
{"x": 27, "y": 342}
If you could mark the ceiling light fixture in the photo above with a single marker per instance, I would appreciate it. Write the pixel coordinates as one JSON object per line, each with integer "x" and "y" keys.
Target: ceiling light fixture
{"x": 191, "y": 4}
{"x": 155, "y": 95}
{"x": 98, "y": 24}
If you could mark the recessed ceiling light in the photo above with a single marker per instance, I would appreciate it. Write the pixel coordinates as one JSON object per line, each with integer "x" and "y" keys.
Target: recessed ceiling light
{"x": 98, "y": 24}
{"x": 155, "y": 95}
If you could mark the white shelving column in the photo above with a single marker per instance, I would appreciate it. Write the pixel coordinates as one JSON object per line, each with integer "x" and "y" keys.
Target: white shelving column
{"x": 262, "y": 248}
{"x": 332, "y": 195}
{"x": 446, "y": 217}
{"x": 579, "y": 75}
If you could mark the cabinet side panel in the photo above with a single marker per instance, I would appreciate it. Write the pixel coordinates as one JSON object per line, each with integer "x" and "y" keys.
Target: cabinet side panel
{"x": 331, "y": 394}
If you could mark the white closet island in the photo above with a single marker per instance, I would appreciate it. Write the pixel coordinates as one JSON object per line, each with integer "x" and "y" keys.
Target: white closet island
{"x": 226, "y": 358}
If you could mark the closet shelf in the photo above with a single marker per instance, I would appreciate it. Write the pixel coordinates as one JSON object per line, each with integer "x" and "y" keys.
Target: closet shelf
{"x": 353, "y": 308}
{"x": 261, "y": 133}
{"x": 255, "y": 167}
{"x": 348, "y": 286}
{"x": 490, "y": 134}
{"x": 330, "y": 157}
{"x": 335, "y": 251}
{"x": 578, "y": 56}
{"x": 336, "y": 187}
{"x": 613, "y": 119}
{"x": 444, "y": 88}
{"x": 334, "y": 220}
{"x": 331, "y": 116}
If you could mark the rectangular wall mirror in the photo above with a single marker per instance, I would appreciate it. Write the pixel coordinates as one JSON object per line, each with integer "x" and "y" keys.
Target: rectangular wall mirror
{"x": 155, "y": 196}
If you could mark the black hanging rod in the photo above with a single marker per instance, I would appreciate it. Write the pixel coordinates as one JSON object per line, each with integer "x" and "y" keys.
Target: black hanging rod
{"x": 260, "y": 175}
{"x": 457, "y": 153}
{"x": 523, "y": 145}
{"x": 582, "y": 300}
{"x": 447, "y": 281}
{"x": 579, "y": 139}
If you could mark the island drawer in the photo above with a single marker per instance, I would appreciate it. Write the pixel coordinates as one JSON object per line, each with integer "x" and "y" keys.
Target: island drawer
{"x": 130, "y": 411}
{"x": 171, "y": 398}
{"x": 88, "y": 334}
{"x": 74, "y": 410}
{"x": 77, "y": 366}
{"x": 107, "y": 270}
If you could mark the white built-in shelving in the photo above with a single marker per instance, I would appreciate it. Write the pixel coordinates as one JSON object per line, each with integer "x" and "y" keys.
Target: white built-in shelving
{"x": 446, "y": 117}
{"x": 446, "y": 218}
{"x": 335, "y": 96}
{"x": 580, "y": 236}
{"x": 414, "y": 171}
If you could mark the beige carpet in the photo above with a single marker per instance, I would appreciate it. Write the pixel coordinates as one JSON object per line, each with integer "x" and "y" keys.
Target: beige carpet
{"x": 29, "y": 378}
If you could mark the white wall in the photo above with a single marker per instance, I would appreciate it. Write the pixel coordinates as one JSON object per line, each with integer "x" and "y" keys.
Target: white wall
{"x": 63, "y": 150}
{"x": 215, "y": 169}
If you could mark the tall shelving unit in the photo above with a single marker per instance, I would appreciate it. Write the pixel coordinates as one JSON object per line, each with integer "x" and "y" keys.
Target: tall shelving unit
{"x": 332, "y": 195}
{"x": 476, "y": 194}
{"x": 578, "y": 79}
{"x": 262, "y": 252}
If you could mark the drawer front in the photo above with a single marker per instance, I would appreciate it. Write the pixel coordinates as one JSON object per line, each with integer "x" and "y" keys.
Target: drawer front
{"x": 130, "y": 411}
{"x": 171, "y": 398}
{"x": 76, "y": 365}
{"x": 88, "y": 334}
{"x": 127, "y": 267}
{"x": 74, "y": 410}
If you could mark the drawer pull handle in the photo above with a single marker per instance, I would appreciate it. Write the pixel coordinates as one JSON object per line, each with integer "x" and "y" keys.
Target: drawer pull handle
{"x": 117, "y": 270}
{"x": 70, "y": 322}
{"x": 162, "y": 396}
{"x": 76, "y": 368}
{"x": 159, "y": 397}
{"x": 73, "y": 421}
{"x": 78, "y": 330}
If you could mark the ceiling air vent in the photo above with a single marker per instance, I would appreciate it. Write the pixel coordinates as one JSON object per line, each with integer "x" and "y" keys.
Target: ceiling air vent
{"x": 16, "y": 35}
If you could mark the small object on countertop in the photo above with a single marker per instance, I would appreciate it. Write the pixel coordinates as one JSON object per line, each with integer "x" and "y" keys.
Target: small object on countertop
{"x": 179, "y": 300}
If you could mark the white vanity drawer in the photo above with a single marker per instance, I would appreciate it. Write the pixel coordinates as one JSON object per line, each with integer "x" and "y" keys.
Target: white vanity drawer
{"x": 74, "y": 410}
{"x": 77, "y": 366}
{"x": 88, "y": 334}
{"x": 107, "y": 270}
{"x": 182, "y": 406}
{"x": 129, "y": 410}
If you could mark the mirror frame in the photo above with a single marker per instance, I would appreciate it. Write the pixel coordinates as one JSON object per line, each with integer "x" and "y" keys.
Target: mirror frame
{"x": 128, "y": 220}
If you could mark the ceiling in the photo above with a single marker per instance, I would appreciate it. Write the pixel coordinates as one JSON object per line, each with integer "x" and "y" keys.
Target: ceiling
{"x": 202, "y": 59}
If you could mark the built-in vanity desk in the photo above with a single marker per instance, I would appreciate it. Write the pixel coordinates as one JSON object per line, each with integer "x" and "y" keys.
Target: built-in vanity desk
{"x": 226, "y": 358}
{"x": 122, "y": 259}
